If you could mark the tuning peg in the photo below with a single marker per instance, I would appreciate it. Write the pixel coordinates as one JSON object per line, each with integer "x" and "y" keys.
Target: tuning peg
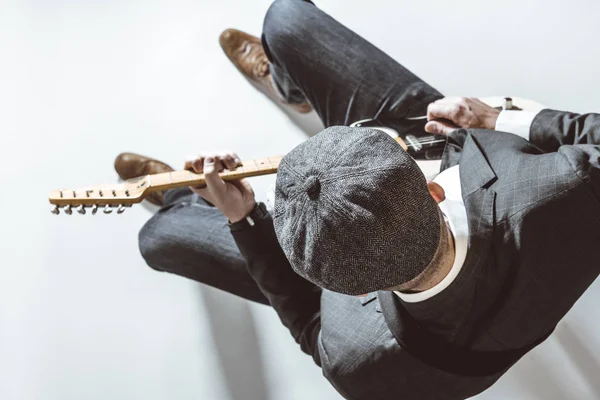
{"x": 94, "y": 209}
{"x": 81, "y": 209}
{"x": 121, "y": 209}
{"x": 55, "y": 210}
{"x": 68, "y": 210}
{"x": 107, "y": 209}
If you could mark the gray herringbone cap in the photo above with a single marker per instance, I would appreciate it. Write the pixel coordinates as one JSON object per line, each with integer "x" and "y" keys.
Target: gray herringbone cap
{"x": 353, "y": 213}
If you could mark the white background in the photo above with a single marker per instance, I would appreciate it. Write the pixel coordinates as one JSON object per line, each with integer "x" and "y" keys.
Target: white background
{"x": 82, "y": 317}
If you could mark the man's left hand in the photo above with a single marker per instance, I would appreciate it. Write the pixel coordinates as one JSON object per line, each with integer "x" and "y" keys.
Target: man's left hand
{"x": 235, "y": 199}
{"x": 450, "y": 113}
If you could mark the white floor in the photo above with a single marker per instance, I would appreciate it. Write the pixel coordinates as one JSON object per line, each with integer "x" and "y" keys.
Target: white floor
{"x": 82, "y": 317}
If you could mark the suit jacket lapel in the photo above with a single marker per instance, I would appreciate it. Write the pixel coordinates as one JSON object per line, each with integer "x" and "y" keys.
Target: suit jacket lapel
{"x": 448, "y": 312}
{"x": 475, "y": 170}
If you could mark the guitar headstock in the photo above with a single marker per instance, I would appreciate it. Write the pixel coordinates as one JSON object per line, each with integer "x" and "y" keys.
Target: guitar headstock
{"x": 109, "y": 197}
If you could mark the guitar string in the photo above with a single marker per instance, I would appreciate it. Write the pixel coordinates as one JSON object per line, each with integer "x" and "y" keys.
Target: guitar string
{"x": 426, "y": 140}
{"x": 430, "y": 141}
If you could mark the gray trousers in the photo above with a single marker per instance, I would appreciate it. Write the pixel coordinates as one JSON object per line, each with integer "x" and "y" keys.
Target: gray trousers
{"x": 315, "y": 58}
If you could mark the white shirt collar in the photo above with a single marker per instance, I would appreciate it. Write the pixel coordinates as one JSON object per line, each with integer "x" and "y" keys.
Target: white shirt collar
{"x": 455, "y": 214}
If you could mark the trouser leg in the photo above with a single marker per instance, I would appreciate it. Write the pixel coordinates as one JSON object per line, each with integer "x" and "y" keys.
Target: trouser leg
{"x": 344, "y": 77}
{"x": 189, "y": 238}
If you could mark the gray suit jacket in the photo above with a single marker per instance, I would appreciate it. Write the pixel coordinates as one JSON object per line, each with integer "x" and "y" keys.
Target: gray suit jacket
{"x": 534, "y": 220}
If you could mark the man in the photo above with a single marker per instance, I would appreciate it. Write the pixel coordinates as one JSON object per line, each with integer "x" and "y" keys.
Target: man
{"x": 460, "y": 276}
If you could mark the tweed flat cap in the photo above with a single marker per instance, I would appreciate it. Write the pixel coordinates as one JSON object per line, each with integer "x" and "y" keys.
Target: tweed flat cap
{"x": 352, "y": 212}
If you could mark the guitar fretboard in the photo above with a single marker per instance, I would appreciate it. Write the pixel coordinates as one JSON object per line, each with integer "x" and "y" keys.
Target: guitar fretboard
{"x": 255, "y": 167}
{"x": 248, "y": 168}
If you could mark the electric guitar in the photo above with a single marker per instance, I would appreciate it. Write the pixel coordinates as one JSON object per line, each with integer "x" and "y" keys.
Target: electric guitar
{"x": 119, "y": 197}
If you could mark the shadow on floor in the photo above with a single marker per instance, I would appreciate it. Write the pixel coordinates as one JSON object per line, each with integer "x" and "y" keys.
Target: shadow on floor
{"x": 535, "y": 381}
{"x": 236, "y": 345}
{"x": 309, "y": 123}
{"x": 583, "y": 357}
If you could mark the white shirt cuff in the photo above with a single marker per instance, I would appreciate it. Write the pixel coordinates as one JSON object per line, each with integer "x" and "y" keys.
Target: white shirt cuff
{"x": 517, "y": 122}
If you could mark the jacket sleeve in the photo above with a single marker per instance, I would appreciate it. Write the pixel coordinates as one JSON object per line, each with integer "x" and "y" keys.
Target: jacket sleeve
{"x": 296, "y": 300}
{"x": 585, "y": 161}
{"x": 551, "y": 129}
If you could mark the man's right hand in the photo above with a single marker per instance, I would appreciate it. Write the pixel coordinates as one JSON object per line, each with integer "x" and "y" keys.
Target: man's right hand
{"x": 450, "y": 113}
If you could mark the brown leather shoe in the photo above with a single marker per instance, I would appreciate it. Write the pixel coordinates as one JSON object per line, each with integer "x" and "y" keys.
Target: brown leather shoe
{"x": 131, "y": 165}
{"x": 247, "y": 54}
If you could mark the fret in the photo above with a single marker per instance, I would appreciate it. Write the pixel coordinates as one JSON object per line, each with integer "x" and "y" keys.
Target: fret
{"x": 180, "y": 176}
{"x": 244, "y": 167}
{"x": 195, "y": 177}
{"x": 238, "y": 171}
{"x": 163, "y": 179}
{"x": 275, "y": 161}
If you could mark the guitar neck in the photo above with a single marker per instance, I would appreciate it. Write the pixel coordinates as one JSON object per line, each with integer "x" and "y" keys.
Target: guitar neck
{"x": 248, "y": 168}
{"x": 135, "y": 190}
{"x": 175, "y": 179}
